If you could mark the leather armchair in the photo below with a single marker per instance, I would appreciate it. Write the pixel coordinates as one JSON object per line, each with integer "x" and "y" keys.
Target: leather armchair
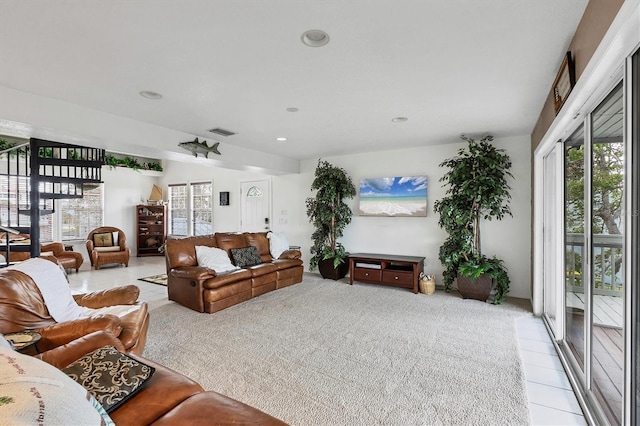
{"x": 68, "y": 259}
{"x": 118, "y": 253}
{"x": 168, "y": 398}
{"x": 22, "y": 308}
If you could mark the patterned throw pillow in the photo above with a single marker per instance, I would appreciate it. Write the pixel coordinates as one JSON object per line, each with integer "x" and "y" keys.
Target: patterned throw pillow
{"x": 109, "y": 375}
{"x": 246, "y": 256}
{"x": 103, "y": 239}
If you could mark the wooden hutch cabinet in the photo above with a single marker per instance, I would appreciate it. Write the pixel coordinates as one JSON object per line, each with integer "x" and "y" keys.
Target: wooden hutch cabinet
{"x": 151, "y": 226}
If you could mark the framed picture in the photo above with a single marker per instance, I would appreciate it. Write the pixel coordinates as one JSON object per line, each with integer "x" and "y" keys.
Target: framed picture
{"x": 393, "y": 196}
{"x": 564, "y": 82}
{"x": 224, "y": 198}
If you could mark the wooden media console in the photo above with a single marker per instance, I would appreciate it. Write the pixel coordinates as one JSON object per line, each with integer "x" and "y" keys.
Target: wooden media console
{"x": 386, "y": 269}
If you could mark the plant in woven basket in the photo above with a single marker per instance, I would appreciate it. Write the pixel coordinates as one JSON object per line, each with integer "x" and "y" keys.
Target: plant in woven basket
{"x": 477, "y": 189}
{"x": 329, "y": 214}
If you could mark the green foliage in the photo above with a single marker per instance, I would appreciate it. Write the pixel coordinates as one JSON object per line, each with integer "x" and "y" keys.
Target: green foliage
{"x": 131, "y": 162}
{"x": 328, "y": 212}
{"x": 477, "y": 189}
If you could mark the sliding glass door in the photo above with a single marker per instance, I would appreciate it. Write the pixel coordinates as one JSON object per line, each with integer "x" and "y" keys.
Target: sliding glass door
{"x": 594, "y": 256}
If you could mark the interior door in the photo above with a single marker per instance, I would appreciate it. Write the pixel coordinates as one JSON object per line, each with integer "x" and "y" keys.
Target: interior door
{"x": 255, "y": 203}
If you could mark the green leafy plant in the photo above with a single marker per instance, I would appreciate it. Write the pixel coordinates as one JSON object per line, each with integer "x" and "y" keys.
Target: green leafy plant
{"x": 477, "y": 189}
{"x": 328, "y": 212}
{"x": 131, "y": 162}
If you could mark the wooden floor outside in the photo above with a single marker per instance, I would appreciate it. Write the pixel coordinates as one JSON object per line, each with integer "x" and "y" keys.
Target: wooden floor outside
{"x": 607, "y": 310}
{"x": 608, "y": 358}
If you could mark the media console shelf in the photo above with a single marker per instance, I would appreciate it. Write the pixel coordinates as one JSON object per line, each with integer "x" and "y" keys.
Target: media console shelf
{"x": 386, "y": 269}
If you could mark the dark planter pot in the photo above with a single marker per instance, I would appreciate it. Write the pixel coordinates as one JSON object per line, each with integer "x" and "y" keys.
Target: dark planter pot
{"x": 327, "y": 270}
{"x": 475, "y": 288}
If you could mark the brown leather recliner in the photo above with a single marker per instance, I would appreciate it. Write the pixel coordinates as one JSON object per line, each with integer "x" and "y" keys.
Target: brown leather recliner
{"x": 168, "y": 398}
{"x": 68, "y": 259}
{"x": 23, "y": 308}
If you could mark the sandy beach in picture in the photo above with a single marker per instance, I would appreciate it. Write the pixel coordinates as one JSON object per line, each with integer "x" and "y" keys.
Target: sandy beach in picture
{"x": 397, "y": 196}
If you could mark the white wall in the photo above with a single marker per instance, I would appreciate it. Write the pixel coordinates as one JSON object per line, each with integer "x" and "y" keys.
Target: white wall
{"x": 508, "y": 239}
{"x": 225, "y": 218}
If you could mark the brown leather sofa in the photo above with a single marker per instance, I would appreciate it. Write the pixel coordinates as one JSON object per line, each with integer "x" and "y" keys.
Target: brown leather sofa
{"x": 205, "y": 290}
{"x": 22, "y": 308}
{"x": 168, "y": 398}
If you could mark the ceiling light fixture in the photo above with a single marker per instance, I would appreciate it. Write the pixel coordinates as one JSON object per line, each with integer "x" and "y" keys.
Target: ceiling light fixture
{"x": 281, "y": 139}
{"x": 293, "y": 109}
{"x": 150, "y": 95}
{"x": 315, "y": 38}
{"x": 399, "y": 119}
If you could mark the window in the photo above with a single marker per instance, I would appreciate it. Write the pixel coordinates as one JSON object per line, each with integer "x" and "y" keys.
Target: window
{"x": 191, "y": 208}
{"x": 14, "y": 206}
{"x": 202, "y": 208}
{"x": 178, "y": 209}
{"x": 78, "y": 216}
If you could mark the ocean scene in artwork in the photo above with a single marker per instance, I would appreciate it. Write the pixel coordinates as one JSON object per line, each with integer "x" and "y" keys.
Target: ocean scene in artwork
{"x": 394, "y": 196}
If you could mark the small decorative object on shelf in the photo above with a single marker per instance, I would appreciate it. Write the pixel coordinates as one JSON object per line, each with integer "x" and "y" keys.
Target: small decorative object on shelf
{"x": 151, "y": 229}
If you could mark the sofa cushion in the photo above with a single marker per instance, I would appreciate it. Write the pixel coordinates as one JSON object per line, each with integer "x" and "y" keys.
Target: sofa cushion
{"x": 246, "y": 256}
{"x": 214, "y": 258}
{"x": 103, "y": 239}
{"x": 109, "y": 375}
{"x": 35, "y": 392}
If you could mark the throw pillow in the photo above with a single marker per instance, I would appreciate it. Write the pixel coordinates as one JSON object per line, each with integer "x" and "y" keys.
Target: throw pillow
{"x": 34, "y": 392}
{"x": 214, "y": 258}
{"x": 111, "y": 376}
{"x": 246, "y": 256}
{"x": 103, "y": 239}
{"x": 278, "y": 244}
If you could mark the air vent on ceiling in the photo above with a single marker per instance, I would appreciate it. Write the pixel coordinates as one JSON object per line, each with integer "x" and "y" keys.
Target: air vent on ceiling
{"x": 222, "y": 132}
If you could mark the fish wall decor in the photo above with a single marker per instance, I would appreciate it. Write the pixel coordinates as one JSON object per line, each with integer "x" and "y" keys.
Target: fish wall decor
{"x": 196, "y": 147}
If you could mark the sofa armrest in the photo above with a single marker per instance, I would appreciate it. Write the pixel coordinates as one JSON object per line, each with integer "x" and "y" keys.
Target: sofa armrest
{"x": 291, "y": 254}
{"x": 123, "y": 295}
{"x": 63, "y": 333}
{"x": 64, "y": 355}
{"x": 195, "y": 273}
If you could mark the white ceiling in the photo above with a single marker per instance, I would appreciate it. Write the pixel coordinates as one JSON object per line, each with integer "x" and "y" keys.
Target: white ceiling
{"x": 450, "y": 66}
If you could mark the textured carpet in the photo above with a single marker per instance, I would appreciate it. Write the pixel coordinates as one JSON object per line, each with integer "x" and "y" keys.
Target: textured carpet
{"x": 156, "y": 279}
{"x": 327, "y": 353}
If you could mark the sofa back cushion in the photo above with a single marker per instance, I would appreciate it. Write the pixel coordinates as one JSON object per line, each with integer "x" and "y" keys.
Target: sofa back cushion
{"x": 228, "y": 240}
{"x": 182, "y": 252}
{"x": 261, "y": 242}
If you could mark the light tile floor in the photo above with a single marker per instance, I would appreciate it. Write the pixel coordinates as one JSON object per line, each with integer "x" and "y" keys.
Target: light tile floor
{"x": 551, "y": 400}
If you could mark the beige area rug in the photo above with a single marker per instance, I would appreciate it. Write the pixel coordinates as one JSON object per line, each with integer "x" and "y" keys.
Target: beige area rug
{"x": 327, "y": 353}
{"x": 156, "y": 279}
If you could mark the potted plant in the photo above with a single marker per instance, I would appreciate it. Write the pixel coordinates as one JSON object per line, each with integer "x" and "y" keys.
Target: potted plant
{"x": 477, "y": 189}
{"x": 329, "y": 214}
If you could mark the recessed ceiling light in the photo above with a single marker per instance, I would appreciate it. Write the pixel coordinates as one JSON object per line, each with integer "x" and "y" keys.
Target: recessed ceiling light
{"x": 150, "y": 95}
{"x": 292, "y": 109}
{"x": 399, "y": 119}
{"x": 281, "y": 139}
{"x": 315, "y": 38}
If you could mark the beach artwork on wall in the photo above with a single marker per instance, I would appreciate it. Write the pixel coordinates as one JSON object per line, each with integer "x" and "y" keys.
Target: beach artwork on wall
{"x": 394, "y": 196}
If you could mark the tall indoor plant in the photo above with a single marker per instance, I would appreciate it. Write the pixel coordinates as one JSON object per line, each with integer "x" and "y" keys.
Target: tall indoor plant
{"x": 477, "y": 189}
{"x": 329, "y": 214}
